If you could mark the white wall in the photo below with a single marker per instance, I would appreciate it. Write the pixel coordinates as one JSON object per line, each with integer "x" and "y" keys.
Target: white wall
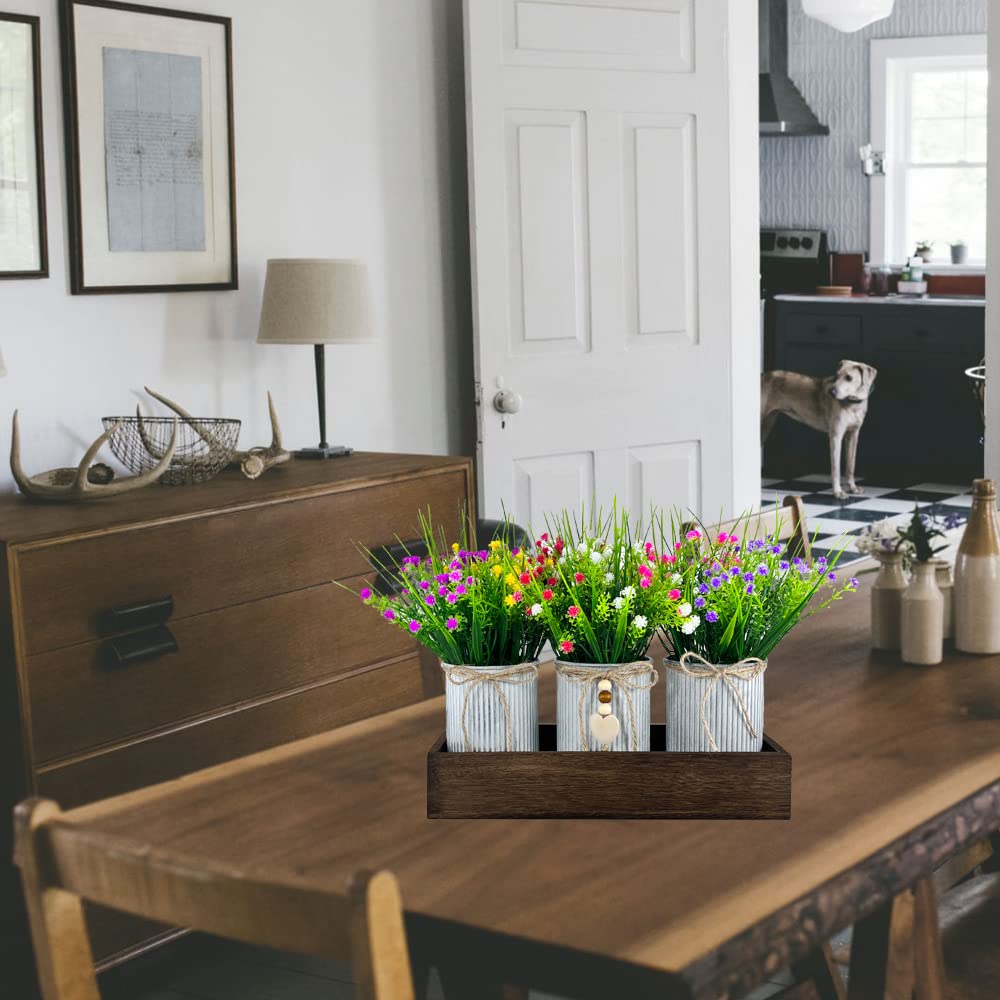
{"x": 349, "y": 142}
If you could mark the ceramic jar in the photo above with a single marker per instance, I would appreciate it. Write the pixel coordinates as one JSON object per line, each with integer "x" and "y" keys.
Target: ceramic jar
{"x": 942, "y": 572}
{"x": 731, "y": 690}
{"x": 886, "y": 598}
{"x": 491, "y": 708}
{"x": 922, "y": 618}
{"x": 977, "y": 575}
{"x": 611, "y": 700}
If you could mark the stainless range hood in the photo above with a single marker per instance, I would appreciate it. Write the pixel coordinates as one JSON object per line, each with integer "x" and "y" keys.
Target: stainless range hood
{"x": 783, "y": 110}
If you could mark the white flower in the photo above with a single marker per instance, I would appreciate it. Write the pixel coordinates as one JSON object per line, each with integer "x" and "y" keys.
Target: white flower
{"x": 684, "y": 609}
{"x": 691, "y": 625}
{"x": 595, "y": 557}
{"x": 628, "y": 591}
{"x": 617, "y": 603}
{"x": 609, "y": 577}
{"x": 640, "y": 622}
{"x": 676, "y": 578}
{"x": 606, "y": 554}
{"x": 583, "y": 547}
{"x": 536, "y": 609}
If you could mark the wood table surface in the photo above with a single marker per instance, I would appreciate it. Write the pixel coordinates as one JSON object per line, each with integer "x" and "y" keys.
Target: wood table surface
{"x": 895, "y": 769}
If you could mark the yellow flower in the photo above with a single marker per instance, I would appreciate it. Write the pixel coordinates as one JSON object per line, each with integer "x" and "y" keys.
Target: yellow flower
{"x": 510, "y": 580}
{"x": 509, "y": 600}
{"x": 498, "y": 571}
{"x": 455, "y": 547}
{"x": 494, "y": 545}
{"x": 549, "y": 563}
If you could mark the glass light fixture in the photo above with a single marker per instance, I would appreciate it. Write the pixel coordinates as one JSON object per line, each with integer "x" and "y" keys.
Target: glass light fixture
{"x": 848, "y": 15}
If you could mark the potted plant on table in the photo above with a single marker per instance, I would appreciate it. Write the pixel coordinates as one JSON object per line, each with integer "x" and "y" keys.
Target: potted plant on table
{"x": 748, "y": 596}
{"x": 925, "y": 251}
{"x": 602, "y": 595}
{"x": 469, "y": 607}
{"x": 922, "y": 611}
{"x": 959, "y": 252}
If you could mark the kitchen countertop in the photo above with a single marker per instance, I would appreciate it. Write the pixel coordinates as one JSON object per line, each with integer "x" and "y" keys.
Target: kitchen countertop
{"x": 888, "y": 300}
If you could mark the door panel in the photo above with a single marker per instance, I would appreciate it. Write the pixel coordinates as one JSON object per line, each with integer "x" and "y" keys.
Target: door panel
{"x": 613, "y": 170}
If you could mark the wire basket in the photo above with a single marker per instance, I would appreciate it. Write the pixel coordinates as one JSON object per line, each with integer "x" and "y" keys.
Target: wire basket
{"x": 205, "y": 446}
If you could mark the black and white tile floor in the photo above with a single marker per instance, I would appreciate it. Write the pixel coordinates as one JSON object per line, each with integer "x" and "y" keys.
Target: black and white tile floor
{"x": 829, "y": 518}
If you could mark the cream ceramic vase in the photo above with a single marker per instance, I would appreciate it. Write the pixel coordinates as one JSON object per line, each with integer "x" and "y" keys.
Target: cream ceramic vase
{"x": 977, "y": 576}
{"x": 922, "y": 618}
{"x": 887, "y": 601}
{"x": 942, "y": 572}
{"x": 491, "y": 708}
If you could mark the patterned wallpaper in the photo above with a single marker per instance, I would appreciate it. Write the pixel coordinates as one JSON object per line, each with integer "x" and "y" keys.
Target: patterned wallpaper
{"x": 816, "y": 181}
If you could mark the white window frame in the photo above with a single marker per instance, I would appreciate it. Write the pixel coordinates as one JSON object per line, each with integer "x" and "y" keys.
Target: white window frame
{"x": 891, "y": 58}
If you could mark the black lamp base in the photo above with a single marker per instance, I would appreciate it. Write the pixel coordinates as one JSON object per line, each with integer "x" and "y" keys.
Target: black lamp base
{"x": 328, "y": 451}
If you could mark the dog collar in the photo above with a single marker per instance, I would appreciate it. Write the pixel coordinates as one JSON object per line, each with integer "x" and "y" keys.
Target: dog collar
{"x": 850, "y": 401}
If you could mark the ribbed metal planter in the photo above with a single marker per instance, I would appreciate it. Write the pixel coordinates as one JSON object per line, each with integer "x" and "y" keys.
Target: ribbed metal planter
{"x": 486, "y": 724}
{"x": 568, "y": 693}
{"x": 685, "y": 729}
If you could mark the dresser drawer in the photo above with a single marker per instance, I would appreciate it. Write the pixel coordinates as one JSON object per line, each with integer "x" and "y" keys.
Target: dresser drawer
{"x": 236, "y": 734}
{"x": 822, "y": 329}
{"x": 955, "y": 332}
{"x": 217, "y": 561}
{"x": 80, "y": 701}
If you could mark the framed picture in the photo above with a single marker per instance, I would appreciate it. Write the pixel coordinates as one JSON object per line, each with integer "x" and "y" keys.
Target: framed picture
{"x": 149, "y": 140}
{"x": 23, "y": 244}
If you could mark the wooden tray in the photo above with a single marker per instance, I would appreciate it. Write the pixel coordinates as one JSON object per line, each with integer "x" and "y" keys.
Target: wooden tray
{"x": 581, "y": 785}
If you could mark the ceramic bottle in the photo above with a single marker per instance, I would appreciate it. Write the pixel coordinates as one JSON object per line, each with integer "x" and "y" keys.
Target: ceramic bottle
{"x": 922, "y": 617}
{"x": 947, "y": 587}
{"x": 887, "y": 594}
{"x": 977, "y": 576}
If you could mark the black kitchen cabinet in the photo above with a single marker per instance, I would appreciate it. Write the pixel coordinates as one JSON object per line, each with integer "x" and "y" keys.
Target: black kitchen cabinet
{"x": 923, "y": 422}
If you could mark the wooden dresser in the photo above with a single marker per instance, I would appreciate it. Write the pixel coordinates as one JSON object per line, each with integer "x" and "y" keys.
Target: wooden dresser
{"x": 268, "y": 649}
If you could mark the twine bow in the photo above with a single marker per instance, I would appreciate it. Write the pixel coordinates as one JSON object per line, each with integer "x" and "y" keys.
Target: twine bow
{"x": 474, "y": 677}
{"x": 745, "y": 670}
{"x": 625, "y": 676}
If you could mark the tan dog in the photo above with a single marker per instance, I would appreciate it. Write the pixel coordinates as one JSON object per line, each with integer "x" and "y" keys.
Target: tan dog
{"x": 836, "y": 405}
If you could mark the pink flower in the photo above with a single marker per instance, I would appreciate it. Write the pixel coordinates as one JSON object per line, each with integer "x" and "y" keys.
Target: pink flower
{"x": 674, "y": 595}
{"x": 693, "y": 536}
{"x": 678, "y": 546}
{"x": 579, "y": 577}
{"x": 389, "y": 615}
{"x": 414, "y": 627}
{"x": 366, "y": 593}
{"x": 645, "y": 582}
{"x": 546, "y": 595}
{"x": 518, "y": 597}
{"x": 565, "y": 646}
{"x": 573, "y": 611}
{"x": 669, "y": 560}
{"x": 723, "y": 538}
{"x": 451, "y": 624}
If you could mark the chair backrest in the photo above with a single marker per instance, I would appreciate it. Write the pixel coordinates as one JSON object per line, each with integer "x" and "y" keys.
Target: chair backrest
{"x": 787, "y": 519}
{"x": 63, "y": 865}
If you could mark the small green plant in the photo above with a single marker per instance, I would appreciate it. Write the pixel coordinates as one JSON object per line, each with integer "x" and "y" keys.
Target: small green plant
{"x": 920, "y": 534}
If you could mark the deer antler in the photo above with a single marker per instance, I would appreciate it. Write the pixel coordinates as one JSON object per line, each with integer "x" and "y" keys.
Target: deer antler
{"x": 255, "y": 462}
{"x": 81, "y": 484}
{"x": 210, "y": 439}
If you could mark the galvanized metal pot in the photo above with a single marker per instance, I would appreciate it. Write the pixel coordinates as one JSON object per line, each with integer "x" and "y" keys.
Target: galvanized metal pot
{"x": 579, "y": 697}
{"x": 491, "y": 708}
{"x": 733, "y": 705}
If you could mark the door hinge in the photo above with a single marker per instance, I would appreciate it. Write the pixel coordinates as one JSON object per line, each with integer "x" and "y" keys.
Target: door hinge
{"x": 479, "y": 412}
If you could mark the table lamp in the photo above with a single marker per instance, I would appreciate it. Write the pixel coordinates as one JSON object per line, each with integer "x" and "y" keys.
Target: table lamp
{"x": 316, "y": 302}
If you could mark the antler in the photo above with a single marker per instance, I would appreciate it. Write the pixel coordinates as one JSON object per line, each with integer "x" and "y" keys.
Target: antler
{"x": 255, "y": 462}
{"x": 213, "y": 442}
{"x": 80, "y": 483}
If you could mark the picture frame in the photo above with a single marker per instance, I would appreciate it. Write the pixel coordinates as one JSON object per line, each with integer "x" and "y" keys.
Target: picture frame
{"x": 150, "y": 148}
{"x": 24, "y": 251}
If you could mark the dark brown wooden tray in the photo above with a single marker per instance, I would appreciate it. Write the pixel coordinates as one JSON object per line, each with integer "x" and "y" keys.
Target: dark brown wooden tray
{"x": 581, "y": 785}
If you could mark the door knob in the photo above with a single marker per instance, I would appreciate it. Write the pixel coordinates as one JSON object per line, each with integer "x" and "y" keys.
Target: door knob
{"x": 507, "y": 401}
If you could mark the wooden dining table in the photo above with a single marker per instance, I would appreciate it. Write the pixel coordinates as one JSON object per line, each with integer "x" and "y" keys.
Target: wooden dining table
{"x": 896, "y": 769}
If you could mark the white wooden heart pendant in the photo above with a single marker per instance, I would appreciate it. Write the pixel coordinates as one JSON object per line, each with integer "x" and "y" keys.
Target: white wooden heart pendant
{"x": 604, "y": 728}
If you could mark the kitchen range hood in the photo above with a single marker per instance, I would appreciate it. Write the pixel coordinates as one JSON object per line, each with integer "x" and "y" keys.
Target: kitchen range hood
{"x": 783, "y": 110}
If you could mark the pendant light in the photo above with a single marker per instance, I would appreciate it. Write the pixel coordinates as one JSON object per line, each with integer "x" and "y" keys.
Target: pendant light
{"x": 847, "y": 15}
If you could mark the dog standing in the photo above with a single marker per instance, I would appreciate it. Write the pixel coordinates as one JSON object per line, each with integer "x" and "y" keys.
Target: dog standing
{"x": 836, "y": 405}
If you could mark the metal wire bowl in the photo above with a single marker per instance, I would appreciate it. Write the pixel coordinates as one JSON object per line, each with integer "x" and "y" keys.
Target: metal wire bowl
{"x": 205, "y": 446}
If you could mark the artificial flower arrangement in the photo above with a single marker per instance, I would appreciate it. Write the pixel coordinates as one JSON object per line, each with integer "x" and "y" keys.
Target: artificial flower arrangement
{"x": 603, "y": 594}
{"x": 469, "y": 607}
{"x": 749, "y": 596}
{"x": 887, "y": 536}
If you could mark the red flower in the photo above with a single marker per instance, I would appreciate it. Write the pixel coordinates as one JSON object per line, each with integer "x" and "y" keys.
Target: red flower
{"x": 579, "y": 577}
{"x": 573, "y": 611}
{"x": 565, "y": 646}
{"x": 551, "y": 581}
{"x": 525, "y": 578}
{"x": 547, "y": 595}
{"x": 674, "y": 595}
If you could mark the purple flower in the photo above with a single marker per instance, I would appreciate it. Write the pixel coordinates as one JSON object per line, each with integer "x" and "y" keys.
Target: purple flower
{"x": 762, "y": 570}
{"x": 452, "y": 598}
{"x": 366, "y": 593}
{"x": 414, "y": 627}
{"x": 699, "y": 602}
{"x": 389, "y": 615}
{"x": 776, "y": 550}
{"x": 442, "y": 578}
{"x": 853, "y": 582}
{"x": 405, "y": 592}
{"x": 783, "y": 564}
{"x": 442, "y": 590}
{"x": 456, "y": 577}
{"x": 451, "y": 624}
{"x": 831, "y": 577}
{"x": 716, "y": 583}
{"x": 711, "y": 617}
{"x": 748, "y": 577}
{"x": 424, "y": 585}
{"x": 460, "y": 589}
{"x": 430, "y": 600}
{"x": 749, "y": 588}
{"x": 703, "y": 589}
{"x": 821, "y": 561}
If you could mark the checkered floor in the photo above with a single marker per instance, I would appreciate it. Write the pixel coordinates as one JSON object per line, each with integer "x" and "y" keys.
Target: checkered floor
{"x": 830, "y": 519}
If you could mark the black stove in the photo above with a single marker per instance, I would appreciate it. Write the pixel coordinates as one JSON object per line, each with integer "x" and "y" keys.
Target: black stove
{"x": 793, "y": 261}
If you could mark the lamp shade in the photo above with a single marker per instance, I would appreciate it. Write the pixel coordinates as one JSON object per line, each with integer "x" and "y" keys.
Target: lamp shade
{"x": 316, "y": 302}
{"x": 848, "y": 15}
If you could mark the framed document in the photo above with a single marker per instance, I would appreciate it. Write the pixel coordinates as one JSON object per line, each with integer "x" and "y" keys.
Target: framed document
{"x": 23, "y": 245}
{"x": 149, "y": 140}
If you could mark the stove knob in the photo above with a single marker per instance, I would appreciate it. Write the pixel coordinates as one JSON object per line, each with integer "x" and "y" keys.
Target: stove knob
{"x": 807, "y": 243}
{"x": 795, "y": 242}
{"x": 782, "y": 242}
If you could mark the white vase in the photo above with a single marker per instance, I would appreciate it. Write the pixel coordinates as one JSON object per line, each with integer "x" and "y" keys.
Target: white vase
{"x": 724, "y": 718}
{"x": 886, "y": 601}
{"x": 922, "y": 618}
{"x": 942, "y": 572}
{"x": 481, "y": 694}
{"x": 629, "y": 704}
{"x": 977, "y": 576}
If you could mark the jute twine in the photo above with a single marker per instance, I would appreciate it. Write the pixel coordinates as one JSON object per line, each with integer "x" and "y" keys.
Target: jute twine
{"x": 474, "y": 677}
{"x": 625, "y": 675}
{"x": 745, "y": 670}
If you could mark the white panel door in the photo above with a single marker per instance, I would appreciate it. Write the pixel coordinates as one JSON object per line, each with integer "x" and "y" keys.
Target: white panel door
{"x": 613, "y": 171}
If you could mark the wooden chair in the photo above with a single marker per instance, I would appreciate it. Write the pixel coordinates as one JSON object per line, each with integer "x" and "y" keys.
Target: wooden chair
{"x": 62, "y": 865}
{"x": 788, "y": 518}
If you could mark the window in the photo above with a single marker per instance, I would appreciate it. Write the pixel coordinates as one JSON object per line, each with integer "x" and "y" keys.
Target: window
{"x": 929, "y": 117}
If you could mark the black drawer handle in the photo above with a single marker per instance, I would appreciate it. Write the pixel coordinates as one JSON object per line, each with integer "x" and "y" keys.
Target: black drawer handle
{"x": 127, "y": 650}
{"x": 131, "y": 617}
